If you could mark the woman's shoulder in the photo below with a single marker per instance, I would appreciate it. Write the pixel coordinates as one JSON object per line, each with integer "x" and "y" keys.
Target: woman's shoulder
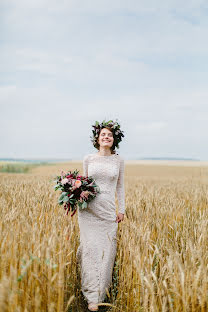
{"x": 87, "y": 157}
{"x": 121, "y": 159}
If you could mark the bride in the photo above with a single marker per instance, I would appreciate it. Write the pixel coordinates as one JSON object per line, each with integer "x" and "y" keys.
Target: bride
{"x": 98, "y": 223}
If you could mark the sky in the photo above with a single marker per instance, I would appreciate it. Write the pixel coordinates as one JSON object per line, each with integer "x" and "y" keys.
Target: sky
{"x": 66, "y": 64}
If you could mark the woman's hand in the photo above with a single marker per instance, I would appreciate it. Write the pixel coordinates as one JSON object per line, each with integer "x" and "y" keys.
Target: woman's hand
{"x": 119, "y": 217}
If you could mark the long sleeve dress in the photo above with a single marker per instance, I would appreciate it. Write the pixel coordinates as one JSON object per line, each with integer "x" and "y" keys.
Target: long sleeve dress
{"x": 98, "y": 227}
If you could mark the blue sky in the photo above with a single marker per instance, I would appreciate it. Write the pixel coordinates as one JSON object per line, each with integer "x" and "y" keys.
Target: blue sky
{"x": 65, "y": 64}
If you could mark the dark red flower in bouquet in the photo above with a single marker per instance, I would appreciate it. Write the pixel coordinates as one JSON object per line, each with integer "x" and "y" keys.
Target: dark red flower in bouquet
{"x": 69, "y": 176}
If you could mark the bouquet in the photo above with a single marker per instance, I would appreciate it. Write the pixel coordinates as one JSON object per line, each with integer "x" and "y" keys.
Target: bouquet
{"x": 77, "y": 190}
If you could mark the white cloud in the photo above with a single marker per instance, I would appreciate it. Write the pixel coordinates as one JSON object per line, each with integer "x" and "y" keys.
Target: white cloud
{"x": 5, "y": 93}
{"x": 150, "y": 127}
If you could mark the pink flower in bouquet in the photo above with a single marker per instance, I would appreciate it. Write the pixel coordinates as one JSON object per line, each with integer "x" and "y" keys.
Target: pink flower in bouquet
{"x": 62, "y": 174}
{"x": 77, "y": 183}
{"x": 84, "y": 194}
{"x": 64, "y": 181}
{"x": 73, "y": 182}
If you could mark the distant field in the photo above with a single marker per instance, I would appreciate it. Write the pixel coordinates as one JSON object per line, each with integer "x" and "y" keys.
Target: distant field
{"x": 186, "y": 163}
{"x": 20, "y": 167}
{"x": 162, "y": 255}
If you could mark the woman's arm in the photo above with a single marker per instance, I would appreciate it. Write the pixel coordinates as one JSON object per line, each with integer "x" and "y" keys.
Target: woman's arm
{"x": 120, "y": 190}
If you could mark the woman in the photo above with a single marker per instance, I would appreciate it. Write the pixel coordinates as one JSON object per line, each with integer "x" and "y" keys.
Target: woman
{"x": 98, "y": 223}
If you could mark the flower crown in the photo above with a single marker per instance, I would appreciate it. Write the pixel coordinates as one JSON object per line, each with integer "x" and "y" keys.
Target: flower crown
{"x": 114, "y": 125}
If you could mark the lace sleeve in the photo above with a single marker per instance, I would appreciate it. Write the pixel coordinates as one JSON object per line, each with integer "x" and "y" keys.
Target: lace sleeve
{"x": 120, "y": 190}
{"x": 85, "y": 166}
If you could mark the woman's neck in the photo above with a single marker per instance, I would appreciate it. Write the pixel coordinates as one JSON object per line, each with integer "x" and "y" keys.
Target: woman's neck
{"x": 104, "y": 152}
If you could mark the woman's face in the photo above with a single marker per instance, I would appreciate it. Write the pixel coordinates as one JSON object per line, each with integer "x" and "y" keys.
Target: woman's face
{"x": 105, "y": 138}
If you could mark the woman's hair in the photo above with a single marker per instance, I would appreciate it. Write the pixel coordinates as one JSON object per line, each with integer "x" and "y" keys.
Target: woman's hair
{"x": 112, "y": 148}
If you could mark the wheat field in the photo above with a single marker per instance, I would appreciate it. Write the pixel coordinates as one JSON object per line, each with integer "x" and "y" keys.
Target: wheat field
{"x": 162, "y": 254}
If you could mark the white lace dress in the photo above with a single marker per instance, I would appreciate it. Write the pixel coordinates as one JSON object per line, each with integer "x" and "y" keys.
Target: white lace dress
{"x": 98, "y": 227}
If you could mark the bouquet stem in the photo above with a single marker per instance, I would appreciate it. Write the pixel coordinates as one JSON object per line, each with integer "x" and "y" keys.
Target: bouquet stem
{"x": 73, "y": 212}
